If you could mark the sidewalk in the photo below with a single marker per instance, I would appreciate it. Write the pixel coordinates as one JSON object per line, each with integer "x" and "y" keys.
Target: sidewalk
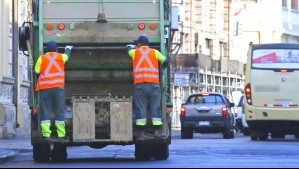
{"x": 10, "y": 147}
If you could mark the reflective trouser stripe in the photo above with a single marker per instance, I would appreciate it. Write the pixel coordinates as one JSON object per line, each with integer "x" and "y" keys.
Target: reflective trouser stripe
{"x": 141, "y": 122}
{"x": 157, "y": 121}
{"x": 46, "y": 131}
{"x": 60, "y": 125}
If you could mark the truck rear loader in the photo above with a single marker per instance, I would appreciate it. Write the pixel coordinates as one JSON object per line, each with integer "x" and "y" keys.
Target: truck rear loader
{"x": 99, "y": 76}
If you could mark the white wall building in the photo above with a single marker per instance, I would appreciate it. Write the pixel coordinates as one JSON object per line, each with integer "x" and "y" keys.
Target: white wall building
{"x": 215, "y": 34}
{"x": 14, "y": 72}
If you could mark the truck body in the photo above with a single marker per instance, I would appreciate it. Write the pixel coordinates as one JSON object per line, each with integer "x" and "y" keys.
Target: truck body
{"x": 99, "y": 75}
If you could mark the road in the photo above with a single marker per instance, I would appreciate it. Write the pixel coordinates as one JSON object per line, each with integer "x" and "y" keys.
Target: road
{"x": 204, "y": 151}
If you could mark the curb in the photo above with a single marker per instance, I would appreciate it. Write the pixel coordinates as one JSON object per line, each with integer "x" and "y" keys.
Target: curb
{"x": 8, "y": 155}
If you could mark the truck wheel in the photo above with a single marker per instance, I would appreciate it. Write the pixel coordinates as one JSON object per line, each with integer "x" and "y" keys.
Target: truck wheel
{"x": 59, "y": 153}
{"x": 186, "y": 134}
{"x": 161, "y": 151}
{"x": 41, "y": 152}
{"x": 142, "y": 152}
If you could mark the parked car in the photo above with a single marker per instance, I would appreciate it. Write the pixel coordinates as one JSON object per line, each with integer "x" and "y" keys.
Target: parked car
{"x": 238, "y": 114}
{"x": 207, "y": 113}
{"x": 245, "y": 128}
{"x": 240, "y": 118}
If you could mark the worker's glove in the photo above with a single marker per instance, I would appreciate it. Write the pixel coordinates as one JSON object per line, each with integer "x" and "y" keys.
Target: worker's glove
{"x": 131, "y": 46}
{"x": 68, "y": 47}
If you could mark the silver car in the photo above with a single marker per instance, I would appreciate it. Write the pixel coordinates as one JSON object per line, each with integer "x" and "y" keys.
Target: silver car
{"x": 207, "y": 113}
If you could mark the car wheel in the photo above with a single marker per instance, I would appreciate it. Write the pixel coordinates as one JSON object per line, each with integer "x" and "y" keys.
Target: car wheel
{"x": 186, "y": 134}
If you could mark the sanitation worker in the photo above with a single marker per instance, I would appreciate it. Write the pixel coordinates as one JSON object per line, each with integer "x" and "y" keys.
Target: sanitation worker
{"x": 147, "y": 91}
{"x": 50, "y": 86}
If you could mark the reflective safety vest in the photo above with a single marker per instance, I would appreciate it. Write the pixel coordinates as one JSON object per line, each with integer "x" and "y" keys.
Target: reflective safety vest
{"x": 52, "y": 71}
{"x": 145, "y": 66}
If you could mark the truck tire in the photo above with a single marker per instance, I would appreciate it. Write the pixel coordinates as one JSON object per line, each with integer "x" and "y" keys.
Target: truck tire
{"x": 161, "y": 151}
{"x": 41, "y": 152}
{"x": 186, "y": 134}
{"x": 59, "y": 153}
{"x": 142, "y": 152}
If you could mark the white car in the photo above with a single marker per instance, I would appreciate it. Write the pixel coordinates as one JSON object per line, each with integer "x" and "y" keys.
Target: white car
{"x": 245, "y": 128}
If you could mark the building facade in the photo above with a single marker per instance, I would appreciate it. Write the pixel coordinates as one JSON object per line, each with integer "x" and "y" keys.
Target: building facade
{"x": 210, "y": 48}
{"x": 14, "y": 70}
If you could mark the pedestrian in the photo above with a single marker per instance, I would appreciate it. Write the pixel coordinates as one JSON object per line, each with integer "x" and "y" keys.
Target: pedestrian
{"x": 147, "y": 92}
{"x": 50, "y": 86}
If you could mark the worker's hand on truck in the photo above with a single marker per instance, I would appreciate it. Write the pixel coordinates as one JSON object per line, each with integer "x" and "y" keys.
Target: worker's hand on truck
{"x": 68, "y": 47}
{"x": 130, "y": 46}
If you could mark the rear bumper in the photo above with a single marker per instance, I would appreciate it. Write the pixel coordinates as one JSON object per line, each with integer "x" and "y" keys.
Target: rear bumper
{"x": 205, "y": 124}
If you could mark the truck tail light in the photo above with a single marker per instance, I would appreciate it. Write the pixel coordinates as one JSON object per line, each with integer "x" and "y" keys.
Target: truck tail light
{"x": 35, "y": 111}
{"x": 141, "y": 26}
{"x": 183, "y": 111}
{"x": 50, "y": 26}
{"x": 61, "y": 26}
{"x": 153, "y": 26}
{"x": 224, "y": 111}
{"x": 248, "y": 94}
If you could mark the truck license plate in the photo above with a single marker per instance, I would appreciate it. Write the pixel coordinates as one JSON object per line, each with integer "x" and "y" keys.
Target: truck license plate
{"x": 204, "y": 123}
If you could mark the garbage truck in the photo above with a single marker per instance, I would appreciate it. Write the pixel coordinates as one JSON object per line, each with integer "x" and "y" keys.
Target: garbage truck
{"x": 99, "y": 75}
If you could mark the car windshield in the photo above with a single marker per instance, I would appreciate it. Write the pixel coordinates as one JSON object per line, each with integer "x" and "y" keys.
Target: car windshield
{"x": 206, "y": 99}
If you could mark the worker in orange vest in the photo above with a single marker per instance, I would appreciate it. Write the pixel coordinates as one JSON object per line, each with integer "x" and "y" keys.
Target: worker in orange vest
{"x": 147, "y": 92}
{"x": 50, "y": 86}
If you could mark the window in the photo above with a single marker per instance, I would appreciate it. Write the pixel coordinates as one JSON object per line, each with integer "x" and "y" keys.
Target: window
{"x": 284, "y": 3}
{"x": 208, "y": 41}
{"x": 294, "y": 5}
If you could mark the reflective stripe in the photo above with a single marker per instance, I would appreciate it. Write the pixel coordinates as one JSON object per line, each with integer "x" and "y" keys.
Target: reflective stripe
{"x": 146, "y": 76}
{"x": 141, "y": 123}
{"x": 51, "y": 82}
{"x": 281, "y": 105}
{"x": 157, "y": 121}
{"x": 59, "y": 122}
{"x": 141, "y": 120}
{"x": 46, "y": 121}
{"x": 147, "y": 69}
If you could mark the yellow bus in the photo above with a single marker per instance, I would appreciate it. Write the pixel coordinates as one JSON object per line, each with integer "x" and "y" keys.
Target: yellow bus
{"x": 272, "y": 90}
